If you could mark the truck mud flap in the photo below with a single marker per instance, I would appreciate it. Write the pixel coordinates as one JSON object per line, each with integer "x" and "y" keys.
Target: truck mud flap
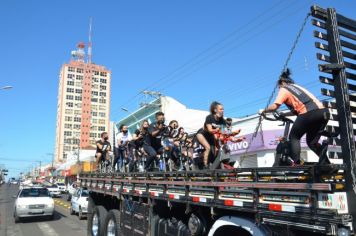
{"x": 134, "y": 218}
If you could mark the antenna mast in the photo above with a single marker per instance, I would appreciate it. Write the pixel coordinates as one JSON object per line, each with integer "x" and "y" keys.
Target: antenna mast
{"x": 89, "y": 43}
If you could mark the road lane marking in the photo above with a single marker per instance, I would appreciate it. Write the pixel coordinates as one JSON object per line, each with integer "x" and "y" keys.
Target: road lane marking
{"x": 47, "y": 229}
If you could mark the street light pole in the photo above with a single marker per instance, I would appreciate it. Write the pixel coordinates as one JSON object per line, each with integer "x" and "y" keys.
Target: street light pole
{"x": 126, "y": 110}
{"x": 6, "y": 87}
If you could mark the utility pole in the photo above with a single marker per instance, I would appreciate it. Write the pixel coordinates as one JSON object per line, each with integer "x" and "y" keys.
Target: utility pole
{"x": 78, "y": 161}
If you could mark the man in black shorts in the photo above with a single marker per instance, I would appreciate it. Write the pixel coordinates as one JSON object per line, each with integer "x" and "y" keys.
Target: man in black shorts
{"x": 103, "y": 147}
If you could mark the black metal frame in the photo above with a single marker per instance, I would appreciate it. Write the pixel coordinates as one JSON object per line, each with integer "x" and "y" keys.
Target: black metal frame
{"x": 333, "y": 24}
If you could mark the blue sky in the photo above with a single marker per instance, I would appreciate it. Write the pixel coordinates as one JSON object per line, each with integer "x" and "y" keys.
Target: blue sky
{"x": 195, "y": 51}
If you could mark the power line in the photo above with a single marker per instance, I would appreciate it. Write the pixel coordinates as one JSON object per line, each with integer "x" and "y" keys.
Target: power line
{"x": 126, "y": 104}
{"x": 179, "y": 78}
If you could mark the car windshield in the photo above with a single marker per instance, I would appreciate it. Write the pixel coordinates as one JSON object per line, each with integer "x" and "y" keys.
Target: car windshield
{"x": 85, "y": 193}
{"x": 60, "y": 184}
{"x": 53, "y": 186}
{"x": 34, "y": 192}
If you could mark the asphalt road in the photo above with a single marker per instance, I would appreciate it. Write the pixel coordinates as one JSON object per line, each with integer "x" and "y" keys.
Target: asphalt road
{"x": 62, "y": 224}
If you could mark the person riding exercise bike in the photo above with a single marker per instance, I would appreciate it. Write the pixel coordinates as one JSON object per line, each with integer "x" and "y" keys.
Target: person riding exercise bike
{"x": 213, "y": 122}
{"x": 312, "y": 116}
{"x": 103, "y": 147}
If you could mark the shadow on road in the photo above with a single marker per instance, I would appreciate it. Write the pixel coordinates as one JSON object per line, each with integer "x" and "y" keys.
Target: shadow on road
{"x": 35, "y": 219}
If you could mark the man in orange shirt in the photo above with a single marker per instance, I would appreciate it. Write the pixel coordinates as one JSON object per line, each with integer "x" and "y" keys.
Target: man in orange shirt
{"x": 312, "y": 116}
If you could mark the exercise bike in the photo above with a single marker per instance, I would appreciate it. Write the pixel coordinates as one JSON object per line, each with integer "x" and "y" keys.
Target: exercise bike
{"x": 282, "y": 157}
{"x": 219, "y": 156}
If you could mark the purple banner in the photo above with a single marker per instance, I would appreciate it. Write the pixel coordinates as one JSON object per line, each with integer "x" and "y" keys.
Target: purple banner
{"x": 266, "y": 140}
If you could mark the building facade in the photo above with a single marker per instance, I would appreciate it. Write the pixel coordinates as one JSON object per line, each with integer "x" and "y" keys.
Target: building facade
{"x": 191, "y": 119}
{"x": 83, "y": 104}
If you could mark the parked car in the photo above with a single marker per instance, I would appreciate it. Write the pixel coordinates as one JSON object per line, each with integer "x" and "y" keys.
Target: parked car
{"x": 32, "y": 202}
{"x": 71, "y": 190}
{"x": 79, "y": 203}
{"x": 62, "y": 187}
{"x": 54, "y": 190}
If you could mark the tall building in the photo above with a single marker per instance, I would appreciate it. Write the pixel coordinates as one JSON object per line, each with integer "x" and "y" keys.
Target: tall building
{"x": 83, "y": 103}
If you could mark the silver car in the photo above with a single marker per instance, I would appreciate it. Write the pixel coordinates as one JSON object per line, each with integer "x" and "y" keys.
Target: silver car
{"x": 79, "y": 203}
{"x": 32, "y": 202}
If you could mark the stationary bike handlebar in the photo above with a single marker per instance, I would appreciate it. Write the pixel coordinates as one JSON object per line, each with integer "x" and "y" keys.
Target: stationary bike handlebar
{"x": 277, "y": 116}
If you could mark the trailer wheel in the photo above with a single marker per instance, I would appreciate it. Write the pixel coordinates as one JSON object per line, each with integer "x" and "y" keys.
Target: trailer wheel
{"x": 112, "y": 223}
{"x": 96, "y": 221}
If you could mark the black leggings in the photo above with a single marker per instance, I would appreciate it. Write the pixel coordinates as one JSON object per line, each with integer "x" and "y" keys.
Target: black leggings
{"x": 312, "y": 124}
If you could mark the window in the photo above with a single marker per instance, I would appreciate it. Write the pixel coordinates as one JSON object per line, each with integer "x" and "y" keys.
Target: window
{"x": 96, "y": 72}
{"x": 95, "y": 86}
{"x": 71, "y": 69}
{"x": 94, "y": 113}
{"x": 102, "y": 100}
{"x": 103, "y": 94}
{"x": 66, "y": 149}
{"x": 78, "y": 84}
{"x": 94, "y": 107}
{"x": 70, "y": 83}
{"x": 77, "y": 119}
{"x": 103, "y": 81}
{"x": 78, "y": 105}
{"x": 102, "y": 107}
{"x": 70, "y": 90}
{"x": 94, "y": 100}
{"x": 102, "y": 87}
{"x": 76, "y": 141}
{"x": 102, "y": 122}
{"x": 76, "y": 126}
{"x": 94, "y": 93}
{"x": 101, "y": 128}
{"x": 68, "y": 126}
{"x": 77, "y": 112}
{"x": 102, "y": 114}
{"x": 67, "y": 140}
{"x": 70, "y": 76}
{"x": 94, "y": 121}
{"x": 79, "y": 70}
{"x": 103, "y": 74}
{"x": 69, "y": 104}
{"x": 69, "y": 111}
{"x": 79, "y": 77}
{"x": 78, "y": 98}
{"x": 92, "y": 135}
{"x": 67, "y": 133}
{"x": 95, "y": 80}
{"x": 94, "y": 128}
{"x": 78, "y": 90}
{"x": 70, "y": 97}
{"x": 68, "y": 118}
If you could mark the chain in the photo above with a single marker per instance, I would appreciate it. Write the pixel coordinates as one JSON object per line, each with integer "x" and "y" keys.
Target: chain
{"x": 296, "y": 42}
{"x": 259, "y": 124}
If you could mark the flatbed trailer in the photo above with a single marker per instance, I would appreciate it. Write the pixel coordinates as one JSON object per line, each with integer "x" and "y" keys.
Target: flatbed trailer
{"x": 248, "y": 201}
{"x": 270, "y": 199}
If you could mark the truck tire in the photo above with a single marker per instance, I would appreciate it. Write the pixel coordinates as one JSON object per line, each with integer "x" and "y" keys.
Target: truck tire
{"x": 112, "y": 223}
{"x": 91, "y": 206}
{"x": 96, "y": 221}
